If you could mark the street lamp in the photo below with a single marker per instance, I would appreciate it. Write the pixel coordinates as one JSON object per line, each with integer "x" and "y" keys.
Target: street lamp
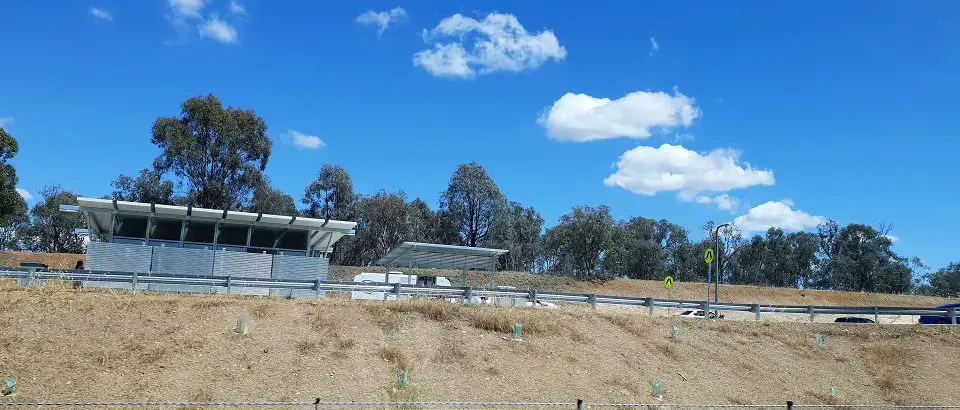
{"x": 716, "y": 244}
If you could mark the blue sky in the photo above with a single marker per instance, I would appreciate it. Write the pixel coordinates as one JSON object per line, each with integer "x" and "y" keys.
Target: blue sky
{"x": 776, "y": 113}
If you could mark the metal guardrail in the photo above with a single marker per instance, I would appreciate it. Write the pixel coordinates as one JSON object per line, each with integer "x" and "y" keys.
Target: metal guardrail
{"x": 465, "y": 293}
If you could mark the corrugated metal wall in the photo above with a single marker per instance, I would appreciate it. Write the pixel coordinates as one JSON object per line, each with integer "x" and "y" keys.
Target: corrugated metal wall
{"x": 250, "y": 265}
{"x": 117, "y": 257}
{"x": 182, "y": 261}
{"x": 103, "y": 256}
{"x": 301, "y": 268}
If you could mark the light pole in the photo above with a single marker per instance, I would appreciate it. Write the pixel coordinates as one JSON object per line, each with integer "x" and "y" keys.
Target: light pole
{"x": 716, "y": 244}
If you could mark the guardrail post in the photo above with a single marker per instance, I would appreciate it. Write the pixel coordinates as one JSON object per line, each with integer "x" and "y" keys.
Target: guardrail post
{"x": 579, "y": 404}
{"x": 316, "y": 286}
{"x": 953, "y": 315}
{"x": 396, "y": 290}
{"x": 649, "y": 303}
{"x": 229, "y": 284}
{"x": 133, "y": 283}
{"x": 810, "y": 311}
{"x": 533, "y": 297}
{"x": 704, "y": 306}
{"x": 789, "y": 405}
{"x": 756, "y": 311}
{"x": 876, "y": 315}
{"x": 592, "y": 299}
{"x": 468, "y": 294}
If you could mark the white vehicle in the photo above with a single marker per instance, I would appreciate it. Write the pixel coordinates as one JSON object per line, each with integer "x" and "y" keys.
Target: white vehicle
{"x": 395, "y": 277}
{"x": 698, "y": 313}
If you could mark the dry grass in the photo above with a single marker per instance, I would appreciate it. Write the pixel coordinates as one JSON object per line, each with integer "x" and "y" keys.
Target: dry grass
{"x": 116, "y": 346}
{"x": 307, "y": 346}
{"x": 393, "y": 355}
{"x": 432, "y": 309}
{"x": 667, "y": 350}
{"x": 261, "y": 310}
{"x": 451, "y": 352}
{"x": 625, "y": 322}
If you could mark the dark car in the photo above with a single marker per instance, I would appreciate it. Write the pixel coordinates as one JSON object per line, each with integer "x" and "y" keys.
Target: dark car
{"x": 33, "y": 264}
{"x": 938, "y": 319}
{"x": 853, "y": 319}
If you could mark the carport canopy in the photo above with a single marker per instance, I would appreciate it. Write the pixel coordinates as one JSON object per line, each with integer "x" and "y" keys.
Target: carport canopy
{"x": 436, "y": 256}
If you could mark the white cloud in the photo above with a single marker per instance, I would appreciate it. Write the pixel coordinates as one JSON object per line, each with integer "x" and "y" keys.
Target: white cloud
{"x": 4, "y": 121}
{"x": 580, "y": 117}
{"x": 648, "y": 170}
{"x": 723, "y": 202}
{"x": 776, "y": 214}
{"x": 218, "y": 30}
{"x": 305, "y": 141}
{"x": 101, "y": 14}
{"x": 497, "y": 43}
{"x": 382, "y": 19}
{"x": 186, "y": 8}
{"x": 237, "y": 8}
{"x": 893, "y": 239}
{"x": 654, "y": 46}
{"x": 23, "y": 193}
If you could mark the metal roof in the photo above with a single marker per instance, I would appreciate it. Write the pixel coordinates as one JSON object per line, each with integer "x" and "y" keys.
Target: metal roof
{"x": 100, "y": 213}
{"x": 431, "y": 255}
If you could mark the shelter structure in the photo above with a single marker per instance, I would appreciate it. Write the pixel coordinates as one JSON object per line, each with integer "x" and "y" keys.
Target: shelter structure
{"x": 185, "y": 240}
{"x": 435, "y": 256}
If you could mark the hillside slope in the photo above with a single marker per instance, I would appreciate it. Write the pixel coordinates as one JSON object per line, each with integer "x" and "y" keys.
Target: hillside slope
{"x": 63, "y": 344}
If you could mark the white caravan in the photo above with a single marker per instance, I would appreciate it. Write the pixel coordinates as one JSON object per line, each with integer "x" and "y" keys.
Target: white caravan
{"x": 395, "y": 277}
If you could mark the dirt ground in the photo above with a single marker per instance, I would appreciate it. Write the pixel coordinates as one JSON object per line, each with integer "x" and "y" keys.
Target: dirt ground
{"x": 86, "y": 345}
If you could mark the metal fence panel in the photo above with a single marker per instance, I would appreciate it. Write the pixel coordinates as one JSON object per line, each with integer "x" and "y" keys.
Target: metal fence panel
{"x": 182, "y": 261}
{"x": 299, "y": 268}
{"x": 240, "y": 264}
{"x": 119, "y": 257}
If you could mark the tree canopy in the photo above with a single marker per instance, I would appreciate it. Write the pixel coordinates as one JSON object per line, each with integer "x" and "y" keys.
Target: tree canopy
{"x": 220, "y": 153}
{"x": 473, "y": 201}
{"x": 12, "y": 204}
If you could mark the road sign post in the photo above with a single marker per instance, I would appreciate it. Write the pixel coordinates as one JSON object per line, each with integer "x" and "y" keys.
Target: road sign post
{"x": 708, "y": 258}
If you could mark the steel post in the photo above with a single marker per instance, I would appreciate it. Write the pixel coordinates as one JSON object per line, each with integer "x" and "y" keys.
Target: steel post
{"x": 953, "y": 315}
{"x": 649, "y": 303}
{"x": 756, "y": 312}
{"x": 810, "y": 311}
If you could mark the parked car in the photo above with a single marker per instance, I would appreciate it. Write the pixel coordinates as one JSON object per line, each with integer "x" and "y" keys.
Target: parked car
{"x": 853, "y": 319}
{"x": 938, "y": 319}
{"x": 33, "y": 264}
{"x": 699, "y": 313}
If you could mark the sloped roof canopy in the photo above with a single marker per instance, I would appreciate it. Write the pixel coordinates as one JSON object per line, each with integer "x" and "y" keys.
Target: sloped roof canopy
{"x": 320, "y": 233}
{"x": 435, "y": 256}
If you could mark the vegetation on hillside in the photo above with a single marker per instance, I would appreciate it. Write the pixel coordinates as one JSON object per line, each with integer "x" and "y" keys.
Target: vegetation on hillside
{"x": 212, "y": 156}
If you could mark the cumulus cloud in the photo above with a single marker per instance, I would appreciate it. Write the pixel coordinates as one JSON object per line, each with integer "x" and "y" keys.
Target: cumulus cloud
{"x": 305, "y": 141}
{"x": 186, "y": 8}
{"x": 237, "y": 8}
{"x": 218, "y": 30}
{"x": 101, "y": 14}
{"x": 580, "y": 117}
{"x": 654, "y": 46}
{"x": 776, "y": 214}
{"x": 648, "y": 170}
{"x": 497, "y": 43}
{"x": 4, "y": 121}
{"x": 893, "y": 239}
{"x": 23, "y": 193}
{"x": 382, "y": 19}
{"x": 723, "y": 202}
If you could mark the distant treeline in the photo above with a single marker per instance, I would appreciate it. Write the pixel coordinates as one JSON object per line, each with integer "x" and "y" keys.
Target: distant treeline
{"x": 215, "y": 157}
